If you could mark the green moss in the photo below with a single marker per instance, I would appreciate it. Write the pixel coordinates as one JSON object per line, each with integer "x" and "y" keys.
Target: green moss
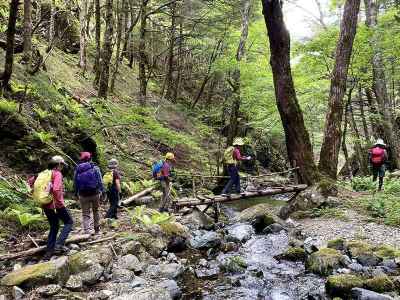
{"x": 234, "y": 264}
{"x": 324, "y": 261}
{"x": 327, "y": 186}
{"x": 357, "y": 248}
{"x": 338, "y": 244}
{"x": 294, "y": 254}
{"x": 341, "y": 285}
{"x": 380, "y": 284}
{"x": 386, "y": 252}
{"x": 174, "y": 229}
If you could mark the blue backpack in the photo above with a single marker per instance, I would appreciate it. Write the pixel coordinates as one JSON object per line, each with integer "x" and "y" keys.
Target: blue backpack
{"x": 86, "y": 179}
{"x": 156, "y": 169}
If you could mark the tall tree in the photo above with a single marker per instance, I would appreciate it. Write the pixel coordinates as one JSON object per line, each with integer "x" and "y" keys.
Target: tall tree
{"x": 106, "y": 51}
{"x": 120, "y": 20}
{"x": 142, "y": 52}
{"x": 297, "y": 139}
{"x": 8, "y": 66}
{"x": 385, "y": 128}
{"x": 331, "y": 145}
{"x": 27, "y": 31}
{"x": 52, "y": 22}
{"x": 83, "y": 34}
{"x": 245, "y": 7}
{"x": 97, "y": 16}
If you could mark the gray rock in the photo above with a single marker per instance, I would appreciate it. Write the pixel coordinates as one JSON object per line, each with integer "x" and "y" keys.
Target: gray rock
{"x": 369, "y": 260}
{"x": 92, "y": 275}
{"x": 122, "y": 275}
{"x": 171, "y": 257}
{"x": 100, "y": 295}
{"x": 169, "y": 271}
{"x": 207, "y": 273}
{"x": 132, "y": 247}
{"x": 346, "y": 260}
{"x": 279, "y": 295}
{"x": 312, "y": 245}
{"x": 273, "y": 228}
{"x": 74, "y": 283}
{"x": 389, "y": 263}
{"x": 148, "y": 293}
{"x": 240, "y": 233}
{"x": 344, "y": 271}
{"x": 49, "y": 290}
{"x": 203, "y": 262}
{"x": 18, "y": 293}
{"x": 205, "y": 239}
{"x": 138, "y": 281}
{"x": 172, "y": 287}
{"x": 129, "y": 262}
{"x": 356, "y": 267}
{"x": 197, "y": 219}
{"x": 362, "y": 294}
{"x": 74, "y": 247}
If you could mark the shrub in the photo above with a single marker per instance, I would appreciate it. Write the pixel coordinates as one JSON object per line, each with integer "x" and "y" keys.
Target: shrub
{"x": 360, "y": 184}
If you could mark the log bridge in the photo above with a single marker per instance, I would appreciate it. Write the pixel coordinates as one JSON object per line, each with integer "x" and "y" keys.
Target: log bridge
{"x": 214, "y": 201}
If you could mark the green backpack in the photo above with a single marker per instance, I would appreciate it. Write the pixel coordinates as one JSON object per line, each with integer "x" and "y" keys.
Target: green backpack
{"x": 228, "y": 156}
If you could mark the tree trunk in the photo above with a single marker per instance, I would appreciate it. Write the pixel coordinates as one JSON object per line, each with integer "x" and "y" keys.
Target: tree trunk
{"x": 27, "y": 31}
{"x": 235, "y": 84}
{"x": 120, "y": 17}
{"x": 98, "y": 46}
{"x": 379, "y": 85}
{"x": 372, "y": 114}
{"x": 52, "y": 22}
{"x": 38, "y": 14}
{"x": 297, "y": 139}
{"x": 170, "y": 65}
{"x": 142, "y": 53}
{"x": 9, "y": 61}
{"x": 331, "y": 145}
{"x": 344, "y": 145}
{"x": 106, "y": 52}
{"x": 83, "y": 31}
{"x": 362, "y": 113}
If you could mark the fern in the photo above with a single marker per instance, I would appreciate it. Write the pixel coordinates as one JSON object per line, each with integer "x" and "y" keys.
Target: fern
{"x": 42, "y": 114}
{"x": 44, "y": 137}
{"x": 148, "y": 217}
{"x": 8, "y": 106}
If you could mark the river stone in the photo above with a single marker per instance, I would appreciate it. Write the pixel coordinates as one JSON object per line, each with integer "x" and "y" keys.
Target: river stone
{"x": 356, "y": 267}
{"x": 138, "y": 281}
{"x": 207, "y": 273}
{"x": 154, "y": 245}
{"x": 49, "y": 290}
{"x": 273, "y": 228}
{"x": 39, "y": 274}
{"x": 85, "y": 260}
{"x": 279, "y": 295}
{"x": 18, "y": 293}
{"x": 312, "y": 245}
{"x": 129, "y": 262}
{"x": 362, "y": 294}
{"x": 172, "y": 287}
{"x": 197, "y": 219}
{"x": 100, "y": 295}
{"x": 172, "y": 229}
{"x": 240, "y": 233}
{"x": 293, "y": 254}
{"x": 92, "y": 275}
{"x": 341, "y": 285}
{"x": 324, "y": 261}
{"x": 363, "y": 253}
{"x": 148, "y": 293}
{"x": 205, "y": 239}
{"x": 170, "y": 271}
{"x": 234, "y": 264}
{"x": 122, "y": 275}
{"x": 74, "y": 283}
{"x": 131, "y": 247}
{"x": 176, "y": 244}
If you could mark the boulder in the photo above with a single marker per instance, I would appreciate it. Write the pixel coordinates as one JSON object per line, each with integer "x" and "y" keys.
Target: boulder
{"x": 172, "y": 287}
{"x": 49, "y": 290}
{"x": 341, "y": 285}
{"x": 273, "y": 228}
{"x": 312, "y": 244}
{"x": 148, "y": 293}
{"x": 173, "y": 229}
{"x": 169, "y": 271}
{"x": 324, "y": 261}
{"x": 177, "y": 244}
{"x": 363, "y": 294}
{"x": 82, "y": 261}
{"x": 154, "y": 245}
{"x": 338, "y": 244}
{"x": 92, "y": 274}
{"x": 74, "y": 283}
{"x": 240, "y": 233}
{"x": 18, "y": 293}
{"x": 122, "y": 275}
{"x": 131, "y": 247}
{"x": 205, "y": 239}
{"x": 293, "y": 254}
{"x": 234, "y": 264}
{"x": 38, "y": 274}
{"x": 128, "y": 262}
{"x": 211, "y": 272}
{"x": 381, "y": 283}
{"x": 259, "y": 216}
{"x": 363, "y": 253}
{"x": 197, "y": 219}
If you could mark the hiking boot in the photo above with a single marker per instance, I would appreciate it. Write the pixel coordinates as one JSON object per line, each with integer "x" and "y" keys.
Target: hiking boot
{"x": 224, "y": 195}
{"x": 61, "y": 249}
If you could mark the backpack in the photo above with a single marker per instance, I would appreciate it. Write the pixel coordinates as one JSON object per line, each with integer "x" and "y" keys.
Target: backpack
{"x": 377, "y": 156}
{"x": 42, "y": 188}
{"x": 228, "y": 156}
{"x": 86, "y": 179}
{"x": 156, "y": 169}
{"x": 108, "y": 178}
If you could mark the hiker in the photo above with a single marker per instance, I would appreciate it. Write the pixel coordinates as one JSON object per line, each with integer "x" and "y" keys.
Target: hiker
{"x": 162, "y": 172}
{"x": 378, "y": 157}
{"x": 55, "y": 210}
{"x": 89, "y": 189}
{"x": 232, "y": 157}
{"x": 112, "y": 182}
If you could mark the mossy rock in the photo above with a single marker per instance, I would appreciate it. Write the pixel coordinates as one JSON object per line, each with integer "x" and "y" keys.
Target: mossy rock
{"x": 234, "y": 264}
{"x": 324, "y": 261}
{"x": 327, "y": 187}
{"x": 153, "y": 245}
{"x": 172, "y": 229}
{"x": 338, "y": 244}
{"x": 357, "y": 248}
{"x": 386, "y": 252}
{"x": 82, "y": 261}
{"x": 380, "y": 284}
{"x": 293, "y": 254}
{"x": 341, "y": 285}
{"x": 39, "y": 274}
{"x": 257, "y": 211}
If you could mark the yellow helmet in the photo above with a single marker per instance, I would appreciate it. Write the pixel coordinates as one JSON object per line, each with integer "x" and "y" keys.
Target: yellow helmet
{"x": 170, "y": 156}
{"x": 238, "y": 142}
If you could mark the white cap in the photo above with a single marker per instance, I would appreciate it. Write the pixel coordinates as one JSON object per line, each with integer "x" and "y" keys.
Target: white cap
{"x": 380, "y": 142}
{"x": 57, "y": 159}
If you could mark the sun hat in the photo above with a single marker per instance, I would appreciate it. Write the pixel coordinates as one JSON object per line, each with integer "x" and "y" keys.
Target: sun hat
{"x": 113, "y": 163}
{"x": 238, "y": 142}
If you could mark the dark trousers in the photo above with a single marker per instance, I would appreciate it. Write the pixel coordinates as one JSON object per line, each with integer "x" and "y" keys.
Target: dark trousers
{"x": 113, "y": 197}
{"x": 234, "y": 180}
{"x": 54, "y": 217}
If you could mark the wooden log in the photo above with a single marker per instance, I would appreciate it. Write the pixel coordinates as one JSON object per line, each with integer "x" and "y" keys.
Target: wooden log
{"x": 34, "y": 251}
{"x": 99, "y": 240}
{"x": 187, "y": 202}
{"x": 132, "y": 199}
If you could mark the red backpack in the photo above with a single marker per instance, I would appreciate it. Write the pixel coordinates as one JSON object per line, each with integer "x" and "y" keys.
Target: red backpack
{"x": 377, "y": 156}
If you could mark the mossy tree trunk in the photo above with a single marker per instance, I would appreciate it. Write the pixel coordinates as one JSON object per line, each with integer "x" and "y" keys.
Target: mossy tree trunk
{"x": 332, "y": 135}
{"x": 142, "y": 53}
{"x": 52, "y": 23}
{"x": 169, "y": 81}
{"x": 97, "y": 38}
{"x": 27, "y": 32}
{"x": 107, "y": 51}
{"x": 297, "y": 139}
{"x": 83, "y": 34}
{"x": 9, "y": 61}
{"x": 120, "y": 22}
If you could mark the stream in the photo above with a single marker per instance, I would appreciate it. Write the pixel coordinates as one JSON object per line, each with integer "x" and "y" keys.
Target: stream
{"x": 265, "y": 277}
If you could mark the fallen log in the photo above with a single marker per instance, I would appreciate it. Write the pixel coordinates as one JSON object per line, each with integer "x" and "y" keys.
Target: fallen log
{"x": 132, "y": 199}
{"x": 191, "y": 202}
{"x": 34, "y": 251}
{"x": 99, "y": 240}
